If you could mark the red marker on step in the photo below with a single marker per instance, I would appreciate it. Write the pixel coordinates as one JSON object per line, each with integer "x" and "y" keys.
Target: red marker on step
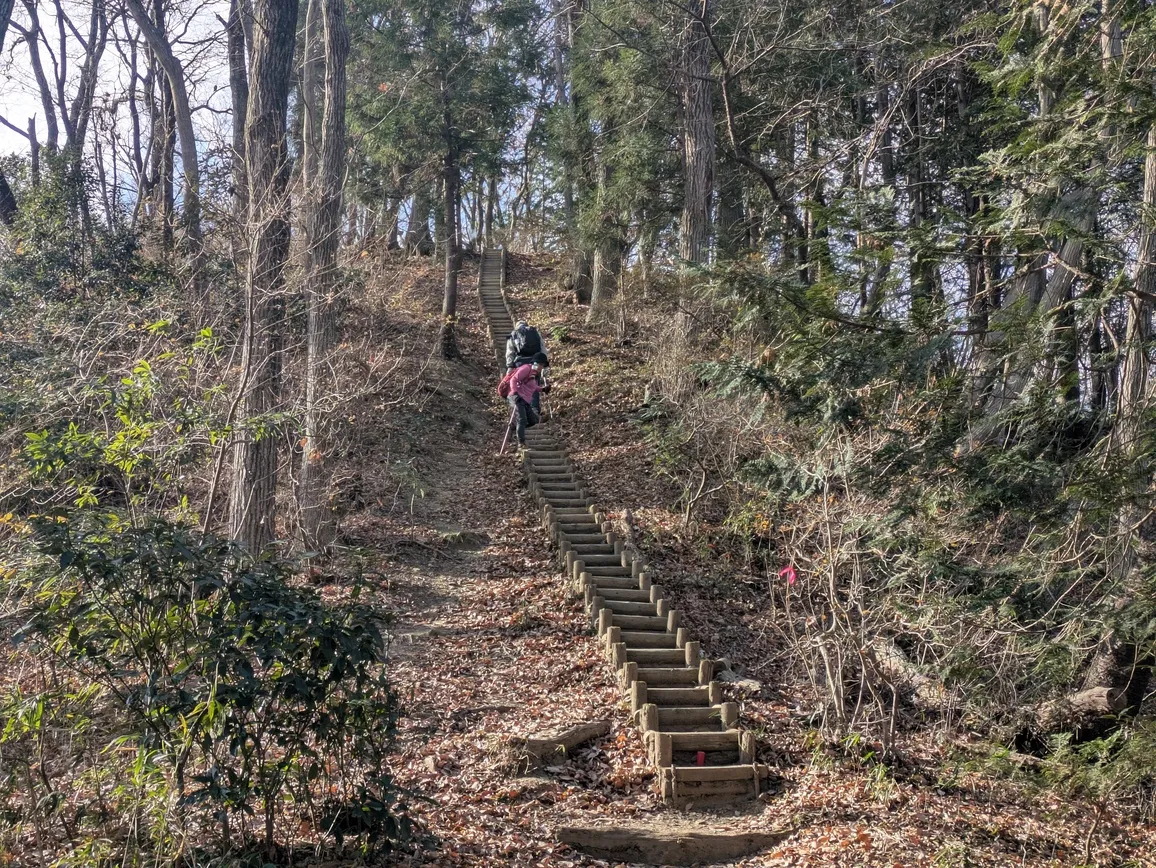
{"x": 701, "y": 758}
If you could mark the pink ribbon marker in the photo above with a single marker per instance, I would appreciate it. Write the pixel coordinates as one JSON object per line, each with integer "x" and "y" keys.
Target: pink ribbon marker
{"x": 788, "y": 573}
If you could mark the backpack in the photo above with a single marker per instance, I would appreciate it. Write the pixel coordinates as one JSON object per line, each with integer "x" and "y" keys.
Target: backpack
{"x": 505, "y": 385}
{"x": 527, "y": 341}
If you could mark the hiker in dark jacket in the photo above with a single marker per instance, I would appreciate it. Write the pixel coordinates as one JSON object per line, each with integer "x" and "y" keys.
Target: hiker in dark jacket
{"x": 524, "y": 391}
{"x": 522, "y": 345}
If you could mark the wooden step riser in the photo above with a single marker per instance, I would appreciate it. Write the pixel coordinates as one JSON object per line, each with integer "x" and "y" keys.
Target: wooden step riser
{"x": 670, "y": 677}
{"x": 626, "y": 607}
{"x": 613, "y": 583}
{"x": 581, "y": 539}
{"x": 625, "y": 595}
{"x": 634, "y": 639}
{"x": 694, "y": 697}
{"x": 640, "y": 623}
{"x": 723, "y": 741}
{"x": 648, "y": 658}
{"x": 708, "y": 792}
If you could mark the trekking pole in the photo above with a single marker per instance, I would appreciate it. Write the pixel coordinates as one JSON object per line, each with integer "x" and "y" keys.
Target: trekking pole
{"x": 509, "y": 428}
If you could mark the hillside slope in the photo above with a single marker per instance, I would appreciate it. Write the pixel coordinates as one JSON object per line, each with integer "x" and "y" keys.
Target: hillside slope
{"x": 489, "y": 646}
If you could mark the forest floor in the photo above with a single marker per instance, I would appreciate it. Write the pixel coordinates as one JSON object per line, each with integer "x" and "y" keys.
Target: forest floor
{"x": 488, "y": 644}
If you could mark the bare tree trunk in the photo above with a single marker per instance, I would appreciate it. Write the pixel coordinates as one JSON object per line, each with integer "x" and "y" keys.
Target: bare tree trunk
{"x": 7, "y": 199}
{"x": 162, "y": 149}
{"x": 191, "y": 220}
{"x": 318, "y": 524}
{"x": 239, "y": 93}
{"x": 253, "y": 492}
{"x": 32, "y": 39}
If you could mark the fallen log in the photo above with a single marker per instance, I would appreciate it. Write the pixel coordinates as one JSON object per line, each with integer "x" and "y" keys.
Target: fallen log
{"x": 539, "y": 750}
{"x": 1086, "y": 712}
{"x": 667, "y": 844}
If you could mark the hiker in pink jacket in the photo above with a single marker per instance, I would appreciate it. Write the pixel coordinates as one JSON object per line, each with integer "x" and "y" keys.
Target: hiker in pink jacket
{"x": 524, "y": 388}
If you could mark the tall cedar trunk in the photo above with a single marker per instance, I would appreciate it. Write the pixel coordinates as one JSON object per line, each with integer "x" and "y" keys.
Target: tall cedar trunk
{"x": 579, "y": 278}
{"x": 921, "y": 273}
{"x": 562, "y": 99}
{"x": 606, "y": 268}
{"x": 491, "y": 203}
{"x": 191, "y": 217}
{"x": 607, "y": 261}
{"x": 253, "y": 493}
{"x": 819, "y": 251}
{"x": 1119, "y": 663}
{"x": 1078, "y": 209}
{"x": 439, "y": 216}
{"x": 697, "y": 135}
{"x": 451, "y": 239}
{"x": 323, "y": 231}
{"x": 873, "y": 292}
{"x": 309, "y": 111}
{"x": 732, "y": 231}
{"x": 392, "y": 209}
{"x": 978, "y": 248}
{"x": 1000, "y": 372}
{"x": 417, "y": 237}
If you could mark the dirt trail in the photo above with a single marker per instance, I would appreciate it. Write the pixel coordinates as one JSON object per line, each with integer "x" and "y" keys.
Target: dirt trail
{"x": 488, "y": 644}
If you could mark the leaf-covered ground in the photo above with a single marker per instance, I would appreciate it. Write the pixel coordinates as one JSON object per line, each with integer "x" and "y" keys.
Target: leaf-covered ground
{"x": 489, "y": 645}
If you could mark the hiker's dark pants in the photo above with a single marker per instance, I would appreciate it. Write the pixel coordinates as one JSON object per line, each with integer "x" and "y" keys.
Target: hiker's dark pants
{"x": 525, "y": 416}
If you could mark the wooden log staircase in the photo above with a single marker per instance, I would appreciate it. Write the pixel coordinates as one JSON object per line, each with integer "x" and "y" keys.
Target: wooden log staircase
{"x": 690, "y": 732}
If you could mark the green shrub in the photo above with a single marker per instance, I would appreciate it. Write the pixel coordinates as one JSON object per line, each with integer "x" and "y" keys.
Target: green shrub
{"x": 238, "y": 693}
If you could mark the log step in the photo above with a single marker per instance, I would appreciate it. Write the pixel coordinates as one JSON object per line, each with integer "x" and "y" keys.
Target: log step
{"x": 627, "y": 607}
{"x": 609, "y": 571}
{"x": 674, "y": 716}
{"x": 633, "y": 639}
{"x": 694, "y": 696}
{"x": 610, "y": 560}
{"x": 640, "y": 623}
{"x": 613, "y": 582}
{"x": 703, "y": 774}
{"x": 654, "y": 656}
{"x": 721, "y": 740}
{"x": 628, "y": 595}
{"x": 669, "y": 677}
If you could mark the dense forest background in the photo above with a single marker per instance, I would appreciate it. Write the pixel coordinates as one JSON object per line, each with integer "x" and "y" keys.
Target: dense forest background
{"x": 889, "y": 268}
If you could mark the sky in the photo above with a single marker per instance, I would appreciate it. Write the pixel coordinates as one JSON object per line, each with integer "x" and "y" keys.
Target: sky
{"x": 200, "y": 46}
